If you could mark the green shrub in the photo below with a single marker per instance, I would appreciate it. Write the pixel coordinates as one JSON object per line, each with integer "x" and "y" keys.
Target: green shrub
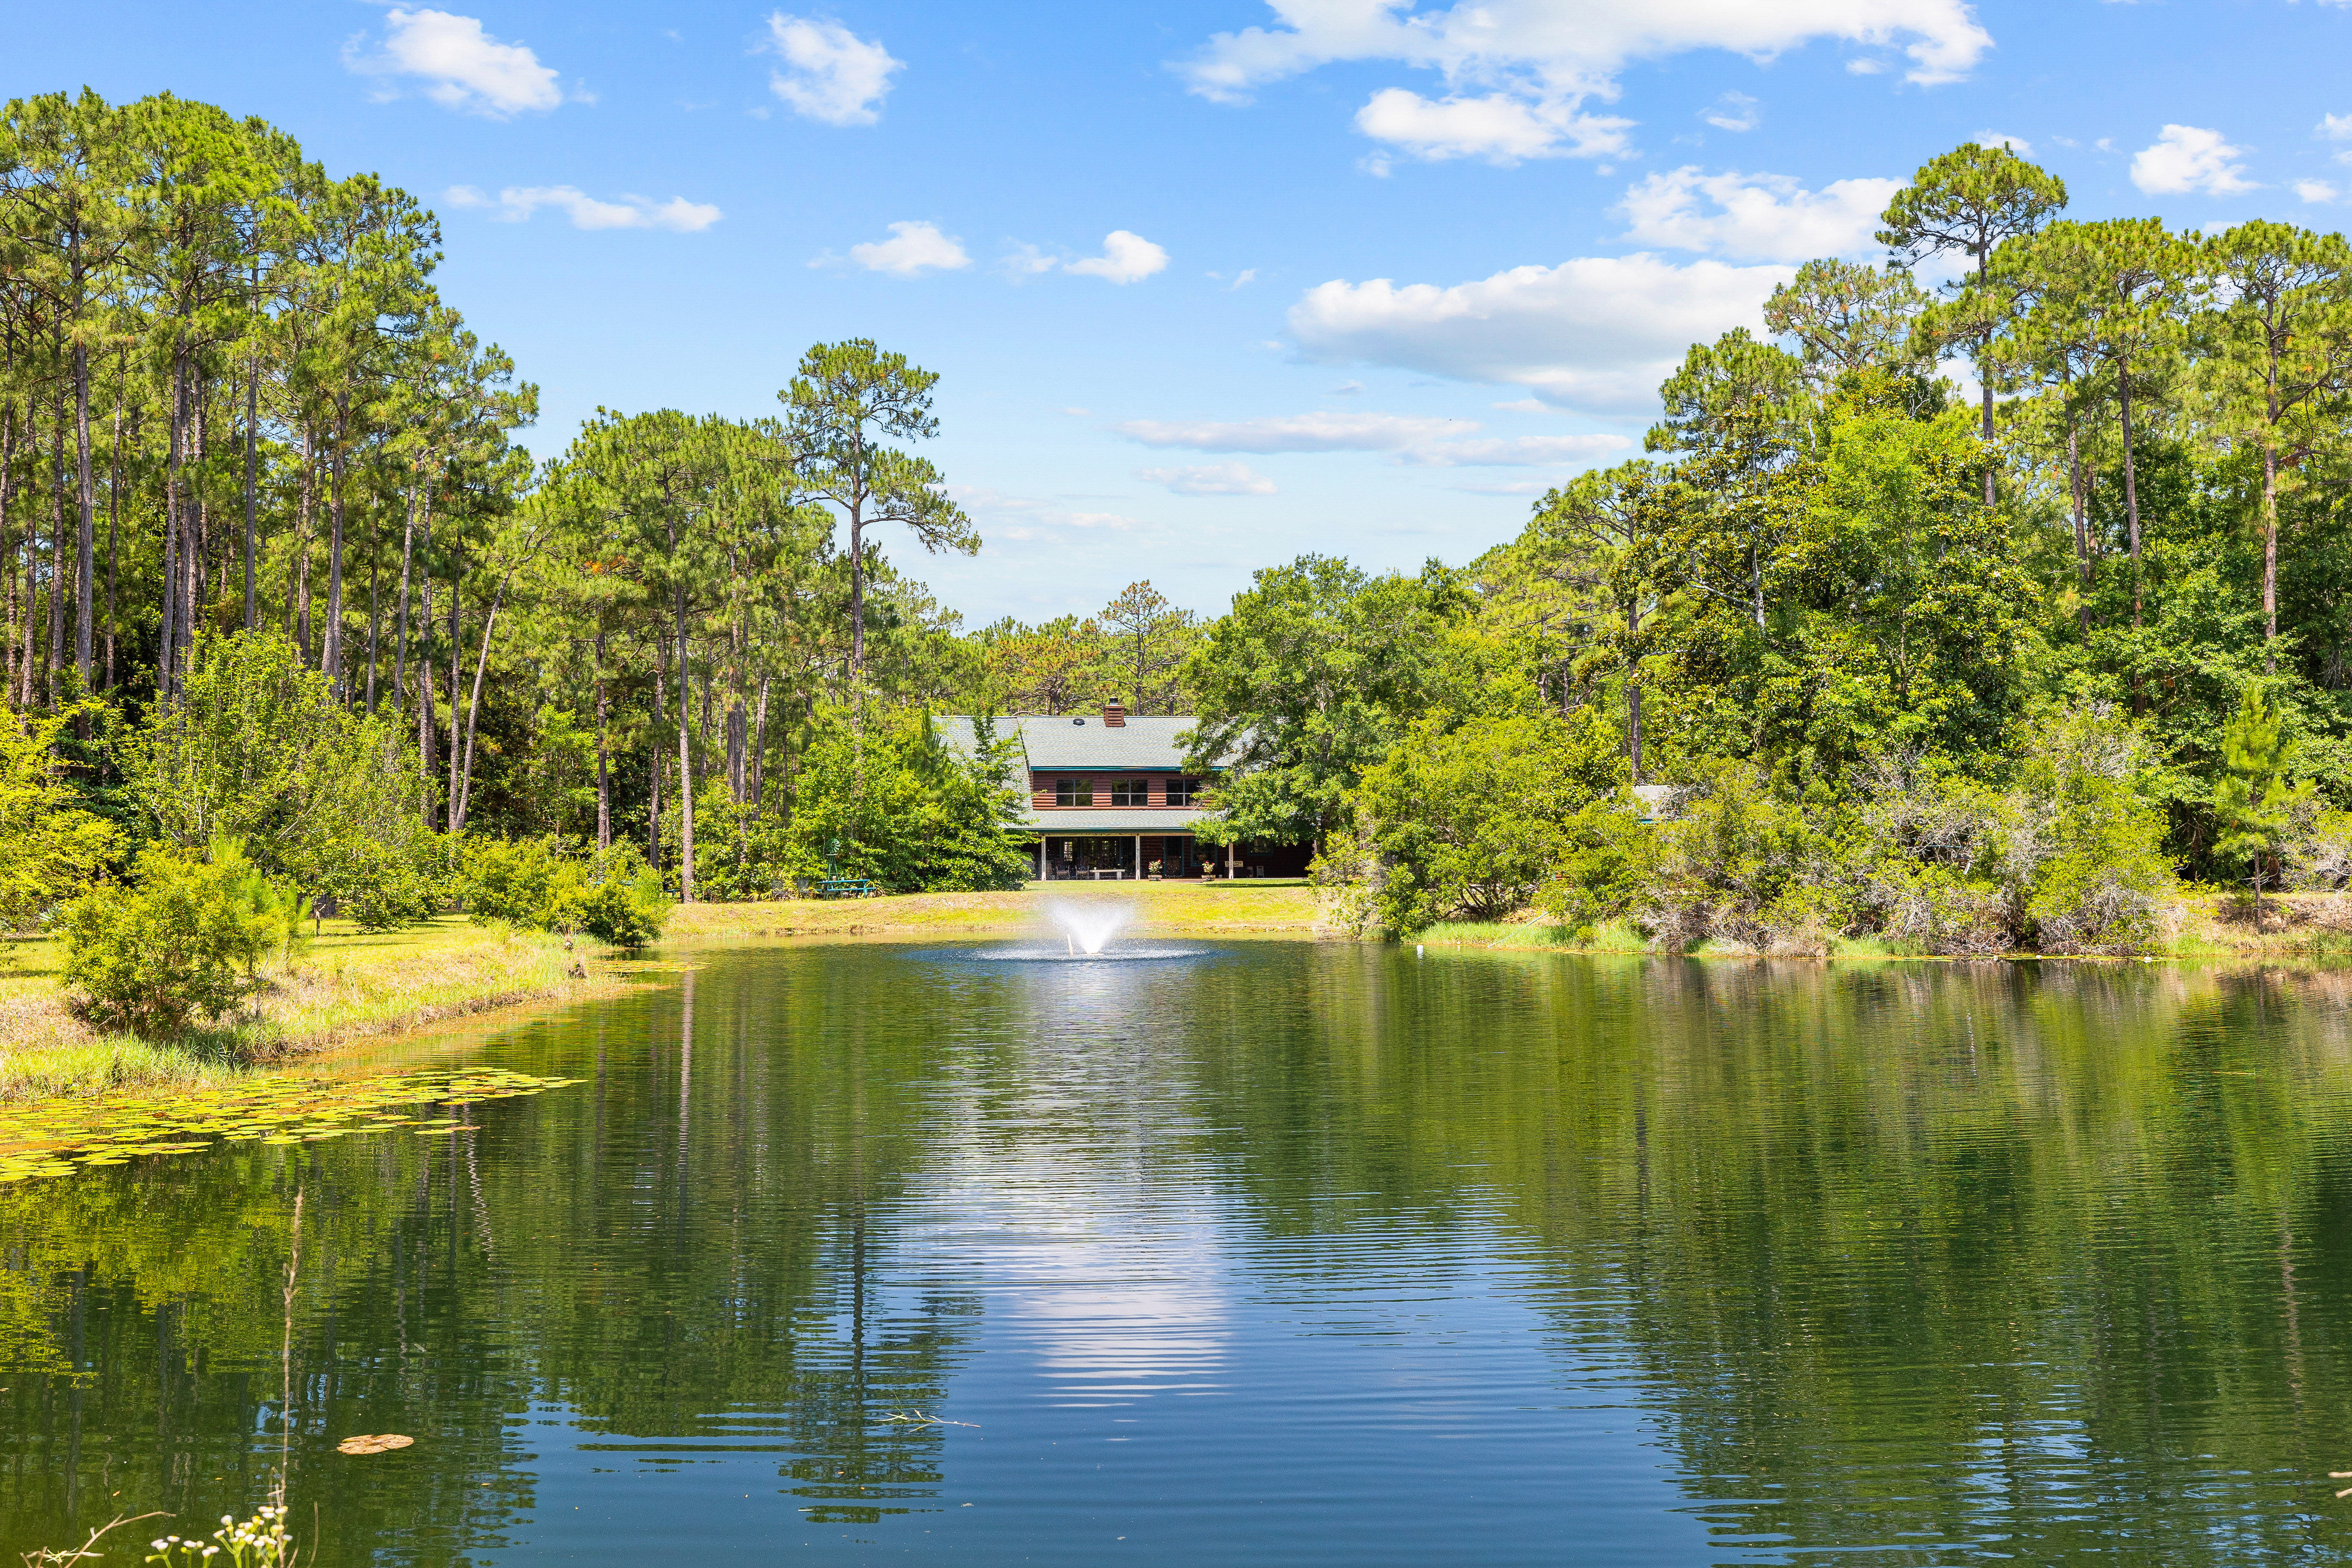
{"x": 518, "y": 882}
{"x": 382, "y": 886}
{"x": 614, "y": 896}
{"x": 168, "y": 952}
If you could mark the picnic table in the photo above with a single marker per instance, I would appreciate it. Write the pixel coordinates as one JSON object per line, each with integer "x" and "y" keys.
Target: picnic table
{"x": 847, "y": 887}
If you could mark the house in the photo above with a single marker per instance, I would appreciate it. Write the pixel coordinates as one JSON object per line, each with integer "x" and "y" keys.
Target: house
{"x": 1109, "y": 796}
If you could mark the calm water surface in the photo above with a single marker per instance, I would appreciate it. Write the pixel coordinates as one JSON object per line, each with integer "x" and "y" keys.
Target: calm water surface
{"x": 1277, "y": 1254}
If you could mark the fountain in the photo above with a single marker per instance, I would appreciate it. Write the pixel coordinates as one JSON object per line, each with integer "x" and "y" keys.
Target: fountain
{"x": 1090, "y": 925}
{"x": 1082, "y": 930}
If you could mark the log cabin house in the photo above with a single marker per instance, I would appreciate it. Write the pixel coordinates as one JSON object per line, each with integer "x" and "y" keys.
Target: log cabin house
{"x": 1109, "y": 796}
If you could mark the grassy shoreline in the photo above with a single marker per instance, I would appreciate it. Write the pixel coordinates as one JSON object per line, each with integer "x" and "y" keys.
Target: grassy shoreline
{"x": 352, "y": 998}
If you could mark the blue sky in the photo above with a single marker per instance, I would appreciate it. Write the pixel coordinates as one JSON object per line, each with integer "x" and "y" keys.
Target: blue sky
{"x": 1210, "y": 285}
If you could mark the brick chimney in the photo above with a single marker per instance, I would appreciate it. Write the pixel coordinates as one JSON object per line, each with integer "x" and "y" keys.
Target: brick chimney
{"x": 1114, "y": 715}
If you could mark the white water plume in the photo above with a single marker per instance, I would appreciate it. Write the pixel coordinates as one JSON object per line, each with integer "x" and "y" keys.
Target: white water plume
{"x": 1088, "y": 927}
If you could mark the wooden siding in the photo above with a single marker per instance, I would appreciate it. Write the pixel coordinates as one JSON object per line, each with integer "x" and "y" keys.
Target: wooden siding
{"x": 1041, "y": 790}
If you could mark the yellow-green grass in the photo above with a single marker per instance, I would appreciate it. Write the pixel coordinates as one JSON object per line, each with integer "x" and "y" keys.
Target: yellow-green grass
{"x": 344, "y": 986}
{"x": 1175, "y": 908}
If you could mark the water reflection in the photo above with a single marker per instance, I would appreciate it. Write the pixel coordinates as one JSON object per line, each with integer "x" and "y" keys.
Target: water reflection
{"x": 1281, "y": 1252}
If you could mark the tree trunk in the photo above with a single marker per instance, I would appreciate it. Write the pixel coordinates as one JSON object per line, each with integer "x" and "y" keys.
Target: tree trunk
{"x": 425, "y": 766}
{"x": 653, "y": 807}
{"x": 252, "y": 420}
{"x": 332, "y": 659}
{"x": 685, "y": 760}
{"x": 2131, "y": 484}
{"x": 114, "y": 516}
{"x": 1634, "y": 688}
{"x": 474, "y": 709}
{"x": 604, "y": 752}
{"x": 400, "y": 637}
{"x": 57, "y": 584}
{"x": 1984, "y": 384}
{"x": 2082, "y": 527}
{"x": 456, "y": 677}
{"x": 373, "y": 554}
{"x": 7, "y": 496}
{"x": 2269, "y": 558}
{"x": 302, "y": 547}
{"x": 86, "y": 547}
{"x": 857, "y": 596}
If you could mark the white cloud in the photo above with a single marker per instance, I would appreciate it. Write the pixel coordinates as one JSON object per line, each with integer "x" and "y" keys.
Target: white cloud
{"x": 1596, "y": 332}
{"x": 1732, "y": 111}
{"x": 1758, "y": 215}
{"x": 1865, "y": 68}
{"x": 1518, "y": 451}
{"x": 1126, "y": 258}
{"x": 463, "y": 67}
{"x": 2185, "y": 158}
{"x": 830, "y": 73}
{"x": 912, "y": 249}
{"x": 2337, "y": 127}
{"x": 2315, "y": 190}
{"x": 517, "y": 202}
{"x": 2017, "y": 144}
{"x": 1408, "y": 438}
{"x": 1517, "y": 72}
{"x": 1498, "y": 126}
{"x": 1210, "y": 479}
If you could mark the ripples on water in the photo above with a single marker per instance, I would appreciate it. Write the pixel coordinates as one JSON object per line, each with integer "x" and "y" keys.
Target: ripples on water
{"x": 1261, "y": 1253}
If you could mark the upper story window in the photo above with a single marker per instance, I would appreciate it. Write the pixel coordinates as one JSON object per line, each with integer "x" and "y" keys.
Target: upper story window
{"x": 1131, "y": 792}
{"x": 1074, "y": 791}
{"x": 1180, "y": 791}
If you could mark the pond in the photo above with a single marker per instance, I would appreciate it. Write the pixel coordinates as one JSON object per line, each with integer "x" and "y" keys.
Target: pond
{"x": 1264, "y": 1252}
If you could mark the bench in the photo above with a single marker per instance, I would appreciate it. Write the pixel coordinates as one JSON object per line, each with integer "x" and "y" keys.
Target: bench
{"x": 847, "y": 887}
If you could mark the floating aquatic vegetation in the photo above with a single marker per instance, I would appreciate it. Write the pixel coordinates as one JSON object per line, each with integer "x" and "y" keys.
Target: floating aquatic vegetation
{"x": 377, "y": 1443}
{"x": 57, "y": 1139}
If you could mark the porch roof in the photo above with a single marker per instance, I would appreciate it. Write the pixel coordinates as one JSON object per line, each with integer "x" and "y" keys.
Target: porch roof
{"x": 1080, "y": 822}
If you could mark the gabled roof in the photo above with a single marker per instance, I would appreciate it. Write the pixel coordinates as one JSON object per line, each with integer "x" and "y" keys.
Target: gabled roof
{"x": 1082, "y": 741}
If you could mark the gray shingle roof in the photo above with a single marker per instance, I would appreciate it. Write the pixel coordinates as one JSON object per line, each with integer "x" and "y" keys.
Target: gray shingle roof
{"x": 1080, "y": 822}
{"x": 1082, "y": 741}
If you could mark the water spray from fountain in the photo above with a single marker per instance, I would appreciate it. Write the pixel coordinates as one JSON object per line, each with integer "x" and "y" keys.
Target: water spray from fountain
{"x": 1090, "y": 926}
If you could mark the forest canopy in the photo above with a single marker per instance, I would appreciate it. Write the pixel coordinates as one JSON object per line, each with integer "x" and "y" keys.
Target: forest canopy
{"x": 1849, "y": 651}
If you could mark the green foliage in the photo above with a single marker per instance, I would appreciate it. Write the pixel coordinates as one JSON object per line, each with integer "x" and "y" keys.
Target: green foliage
{"x": 1309, "y": 681}
{"x": 1466, "y": 819}
{"x": 156, "y": 956}
{"x": 49, "y": 844}
{"x": 260, "y": 748}
{"x": 2253, "y": 803}
{"x": 879, "y": 797}
{"x": 532, "y": 883}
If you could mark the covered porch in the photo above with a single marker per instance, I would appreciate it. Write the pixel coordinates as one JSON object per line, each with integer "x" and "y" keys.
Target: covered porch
{"x": 1082, "y": 857}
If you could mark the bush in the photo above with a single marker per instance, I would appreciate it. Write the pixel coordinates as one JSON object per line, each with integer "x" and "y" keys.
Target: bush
{"x": 614, "y": 896}
{"x": 624, "y": 905}
{"x": 382, "y": 886}
{"x": 154, "y": 958}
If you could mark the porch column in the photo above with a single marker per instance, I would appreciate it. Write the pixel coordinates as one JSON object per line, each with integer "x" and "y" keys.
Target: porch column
{"x": 1041, "y": 857}
{"x": 1229, "y": 859}
{"x": 1139, "y": 857}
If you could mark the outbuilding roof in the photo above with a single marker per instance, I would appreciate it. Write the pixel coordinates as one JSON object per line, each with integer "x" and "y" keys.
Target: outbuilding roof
{"x": 1082, "y": 741}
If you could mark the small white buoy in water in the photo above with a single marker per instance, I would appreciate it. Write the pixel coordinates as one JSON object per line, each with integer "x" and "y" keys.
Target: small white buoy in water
{"x": 1416, "y": 950}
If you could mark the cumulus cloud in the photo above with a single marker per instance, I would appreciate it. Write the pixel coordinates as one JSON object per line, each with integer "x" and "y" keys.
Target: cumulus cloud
{"x": 912, "y": 249}
{"x": 515, "y": 204}
{"x": 1732, "y": 111}
{"x": 462, "y": 65}
{"x": 1519, "y": 71}
{"x": 1762, "y": 217}
{"x": 2315, "y": 190}
{"x": 1497, "y": 127}
{"x": 829, "y": 72}
{"x": 1597, "y": 332}
{"x": 1126, "y": 258}
{"x": 1408, "y": 438}
{"x": 2017, "y": 144}
{"x": 1210, "y": 479}
{"x": 2188, "y": 158}
{"x": 2337, "y": 127}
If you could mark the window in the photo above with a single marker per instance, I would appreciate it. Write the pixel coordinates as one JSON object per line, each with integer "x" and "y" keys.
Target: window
{"x": 1131, "y": 792}
{"x": 1074, "y": 791}
{"x": 1180, "y": 791}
